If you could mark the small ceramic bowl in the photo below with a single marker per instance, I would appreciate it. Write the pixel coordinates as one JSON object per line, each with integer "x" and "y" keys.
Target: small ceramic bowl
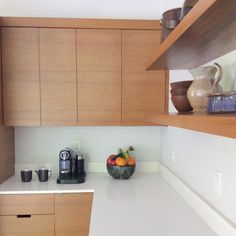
{"x": 181, "y": 84}
{"x": 181, "y": 103}
{"x": 120, "y": 172}
{"x": 178, "y": 91}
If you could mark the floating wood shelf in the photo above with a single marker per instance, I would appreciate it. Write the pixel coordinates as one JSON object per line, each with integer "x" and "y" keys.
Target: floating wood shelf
{"x": 207, "y": 32}
{"x": 222, "y": 124}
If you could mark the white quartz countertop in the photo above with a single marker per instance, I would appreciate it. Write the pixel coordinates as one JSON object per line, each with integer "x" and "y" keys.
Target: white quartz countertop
{"x": 14, "y": 185}
{"x": 143, "y": 205}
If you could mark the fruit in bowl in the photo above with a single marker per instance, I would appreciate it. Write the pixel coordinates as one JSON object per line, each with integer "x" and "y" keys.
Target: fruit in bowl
{"x": 121, "y": 165}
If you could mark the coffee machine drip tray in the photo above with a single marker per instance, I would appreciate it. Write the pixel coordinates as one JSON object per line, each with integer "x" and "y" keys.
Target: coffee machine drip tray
{"x": 79, "y": 180}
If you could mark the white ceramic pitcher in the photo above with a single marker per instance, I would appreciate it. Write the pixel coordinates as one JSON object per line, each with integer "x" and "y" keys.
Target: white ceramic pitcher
{"x": 205, "y": 83}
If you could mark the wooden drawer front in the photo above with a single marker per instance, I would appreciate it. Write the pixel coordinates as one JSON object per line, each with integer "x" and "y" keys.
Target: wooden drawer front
{"x": 72, "y": 214}
{"x": 36, "y": 225}
{"x": 26, "y": 204}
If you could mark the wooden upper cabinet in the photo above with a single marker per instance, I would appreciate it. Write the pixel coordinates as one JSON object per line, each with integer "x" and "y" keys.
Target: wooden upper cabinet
{"x": 7, "y": 149}
{"x": 1, "y": 101}
{"x": 99, "y": 76}
{"x": 58, "y": 76}
{"x": 20, "y": 72}
{"x": 143, "y": 93}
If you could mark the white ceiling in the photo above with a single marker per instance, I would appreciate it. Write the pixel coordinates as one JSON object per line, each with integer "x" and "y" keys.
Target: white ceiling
{"x": 125, "y": 9}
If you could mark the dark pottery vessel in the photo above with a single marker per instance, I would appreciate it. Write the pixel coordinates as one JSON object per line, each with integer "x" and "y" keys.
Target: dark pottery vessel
{"x": 181, "y": 84}
{"x": 170, "y": 19}
{"x": 181, "y": 103}
{"x": 178, "y": 91}
{"x": 187, "y": 6}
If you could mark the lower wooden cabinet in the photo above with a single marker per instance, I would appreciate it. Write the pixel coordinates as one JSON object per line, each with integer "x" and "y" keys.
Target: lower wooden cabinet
{"x": 45, "y": 214}
{"x": 72, "y": 214}
{"x": 33, "y": 225}
{"x": 23, "y": 204}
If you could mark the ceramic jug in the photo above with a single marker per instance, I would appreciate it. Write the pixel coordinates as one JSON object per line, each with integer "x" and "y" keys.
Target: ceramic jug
{"x": 205, "y": 83}
{"x": 233, "y": 71}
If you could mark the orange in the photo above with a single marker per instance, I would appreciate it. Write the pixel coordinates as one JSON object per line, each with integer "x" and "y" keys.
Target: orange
{"x": 120, "y": 161}
{"x": 131, "y": 161}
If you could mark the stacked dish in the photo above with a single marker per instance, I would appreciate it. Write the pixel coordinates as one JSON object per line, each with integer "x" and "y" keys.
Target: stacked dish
{"x": 179, "y": 95}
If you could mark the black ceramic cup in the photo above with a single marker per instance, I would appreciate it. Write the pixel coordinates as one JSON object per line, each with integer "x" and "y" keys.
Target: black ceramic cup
{"x": 43, "y": 174}
{"x": 26, "y": 175}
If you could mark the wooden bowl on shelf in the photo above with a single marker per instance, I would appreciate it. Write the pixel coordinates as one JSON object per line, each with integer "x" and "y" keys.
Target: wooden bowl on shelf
{"x": 178, "y": 91}
{"x": 181, "y": 84}
{"x": 181, "y": 103}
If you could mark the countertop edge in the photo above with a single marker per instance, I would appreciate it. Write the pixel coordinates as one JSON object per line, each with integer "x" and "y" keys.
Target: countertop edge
{"x": 47, "y": 191}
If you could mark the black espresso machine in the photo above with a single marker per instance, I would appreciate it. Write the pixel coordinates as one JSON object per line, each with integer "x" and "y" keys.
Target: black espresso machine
{"x": 71, "y": 167}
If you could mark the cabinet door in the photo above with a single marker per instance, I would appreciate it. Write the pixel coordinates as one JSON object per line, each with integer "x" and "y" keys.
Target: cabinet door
{"x": 143, "y": 93}
{"x": 7, "y": 149}
{"x": 99, "y": 76}
{"x": 72, "y": 214}
{"x": 58, "y": 77}
{"x": 27, "y": 225}
{"x": 1, "y": 96}
{"x": 20, "y": 72}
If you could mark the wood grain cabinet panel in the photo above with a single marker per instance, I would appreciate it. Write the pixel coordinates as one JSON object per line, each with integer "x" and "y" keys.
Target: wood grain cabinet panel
{"x": 26, "y": 204}
{"x": 1, "y": 95}
{"x": 99, "y": 76}
{"x": 29, "y": 214}
{"x": 72, "y": 214}
{"x": 45, "y": 214}
{"x": 86, "y": 76}
{"x": 143, "y": 93}
{"x": 58, "y": 76}
{"x": 7, "y": 149}
{"x": 35, "y": 225}
{"x": 20, "y": 72}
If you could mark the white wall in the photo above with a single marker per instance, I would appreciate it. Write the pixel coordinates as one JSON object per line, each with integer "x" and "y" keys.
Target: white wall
{"x": 124, "y": 9}
{"x": 198, "y": 156}
{"x": 41, "y": 145}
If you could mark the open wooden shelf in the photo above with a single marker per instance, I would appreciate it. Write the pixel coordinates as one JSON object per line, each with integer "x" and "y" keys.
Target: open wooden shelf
{"x": 222, "y": 124}
{"x": 207, "y": 32}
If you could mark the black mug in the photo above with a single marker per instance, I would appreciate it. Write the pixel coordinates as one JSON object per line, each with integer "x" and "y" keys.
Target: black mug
{"x": 26, "y": 175}
{"x": 43, "y": 174}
